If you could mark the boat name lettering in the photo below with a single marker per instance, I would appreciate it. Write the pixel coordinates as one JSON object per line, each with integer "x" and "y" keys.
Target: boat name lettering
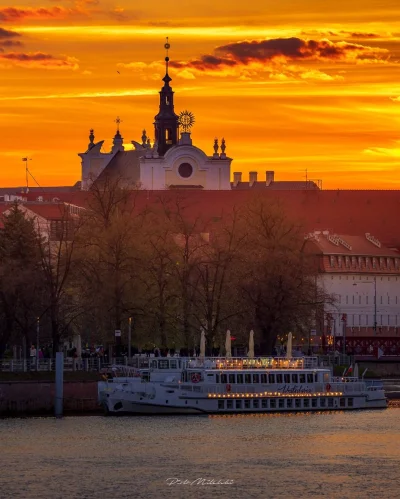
{"x": 294, "y": 389}
{"x": 198, "y": 481}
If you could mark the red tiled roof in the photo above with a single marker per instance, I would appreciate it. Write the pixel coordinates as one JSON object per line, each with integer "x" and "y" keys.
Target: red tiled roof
{"x": 351, "y": 246}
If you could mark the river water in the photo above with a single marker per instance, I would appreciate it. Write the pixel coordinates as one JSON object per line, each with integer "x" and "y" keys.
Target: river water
{"x": 331, "y": 455}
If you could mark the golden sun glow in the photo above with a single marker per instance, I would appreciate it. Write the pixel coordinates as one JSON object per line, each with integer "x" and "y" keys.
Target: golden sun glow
{"x": 292, "y": 86}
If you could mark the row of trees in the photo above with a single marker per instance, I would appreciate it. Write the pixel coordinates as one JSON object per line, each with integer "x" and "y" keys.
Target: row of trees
{"x": 170, "y": 269}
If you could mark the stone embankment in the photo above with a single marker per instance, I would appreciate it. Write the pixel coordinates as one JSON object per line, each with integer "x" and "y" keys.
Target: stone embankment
{"x": 30, "y": 398}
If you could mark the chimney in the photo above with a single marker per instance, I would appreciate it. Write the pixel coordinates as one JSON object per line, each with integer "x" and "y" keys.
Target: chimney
{"x": 237, "y": 177}
{"x": 252, "y": 178}
{"x": 269, "y": 177}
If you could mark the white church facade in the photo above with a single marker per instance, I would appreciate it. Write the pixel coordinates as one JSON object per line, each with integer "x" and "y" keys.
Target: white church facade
{"x": 171, "y": 162}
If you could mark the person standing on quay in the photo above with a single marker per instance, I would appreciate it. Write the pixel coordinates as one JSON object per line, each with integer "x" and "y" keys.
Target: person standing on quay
{"x": 33, "y": 356}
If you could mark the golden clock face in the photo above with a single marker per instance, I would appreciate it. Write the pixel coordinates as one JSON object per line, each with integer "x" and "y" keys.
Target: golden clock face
{"x": 186, "y": 120}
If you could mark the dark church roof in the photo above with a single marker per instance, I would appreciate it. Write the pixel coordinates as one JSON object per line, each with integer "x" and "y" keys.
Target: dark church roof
{"x": 124, "y": 166}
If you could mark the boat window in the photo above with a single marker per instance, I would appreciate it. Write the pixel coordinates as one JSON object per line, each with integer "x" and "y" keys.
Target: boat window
{"x": 326, "y": 377}
{"x": 217, "y": 378}
{"x": 306, "y": 402}
{"x": 232, "y": 378}
{"x": 289, "y": 403}
{"x": 247, "y": 404}
{"x": 154, "y": 364}
{"x": 295, "y": 378}
{"x": 272, "y": 404}
{"x": 238, "y": 404}
{"x": 221, "y": 404}
{"x": 229, "y": 404}
{"x": 281, "y": 403}
{"x": 256, "y": 379}
{"x": 286, "y": 377}
{"x": 314, "y": 403}
{"x": 342, "y": 402}
{"x": 350, "y": 402}
{"x": 297, "y": 403}
{"x": 309, "y": 378}
{"x": 302, "y": 378}
{"x": 224, "y": 378}
{"x": 256, "y": 404}
{"x": 322, "y": 402}
{"x": 247, "y": 378}
{"x": 330, "y": 402}
{"x": 279, "y": 378}
{"x": 264, "y": 378}
{"x": 179, "y": 363}
{"x": 163, "y": 364}
{"x": 264, "y": 403}
{"x": 239, "y": 378}
{"x": 272, "y": 378}
{"x": 172, "y": 364}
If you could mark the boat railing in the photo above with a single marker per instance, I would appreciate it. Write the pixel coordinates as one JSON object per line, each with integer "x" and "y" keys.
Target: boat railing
{"x": 251, "y": 363}
{"x": 121, "y": 371}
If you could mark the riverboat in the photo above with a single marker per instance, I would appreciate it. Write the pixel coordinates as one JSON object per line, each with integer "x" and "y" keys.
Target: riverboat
{"x": 175, "y": 385}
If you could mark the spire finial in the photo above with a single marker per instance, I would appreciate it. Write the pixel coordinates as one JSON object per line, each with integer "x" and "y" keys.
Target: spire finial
{"x": 167, "y": 47}
{"x": 216, "y": 147}
{"x": 118, "y": 121}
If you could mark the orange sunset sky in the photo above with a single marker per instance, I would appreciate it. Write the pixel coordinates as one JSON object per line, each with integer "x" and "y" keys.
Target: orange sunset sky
{"x": 291, "y": 84}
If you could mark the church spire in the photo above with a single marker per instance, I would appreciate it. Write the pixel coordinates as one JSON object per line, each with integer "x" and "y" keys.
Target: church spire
{"x": 166, "y": 121}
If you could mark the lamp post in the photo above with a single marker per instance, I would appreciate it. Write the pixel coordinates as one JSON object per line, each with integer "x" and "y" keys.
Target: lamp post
{"x": 129, "y": 338}
{"x": 375, "y": 313}
{"x": 37, "y": 342}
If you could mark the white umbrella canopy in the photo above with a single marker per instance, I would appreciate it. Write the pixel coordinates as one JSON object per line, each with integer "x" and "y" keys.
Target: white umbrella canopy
{"x": 250, "y": 353}
{"x": 356, "y": 374}
{"x": 289, "y": 346}
{"x": 228, "y": 351}
{"x": 202, "y": 343}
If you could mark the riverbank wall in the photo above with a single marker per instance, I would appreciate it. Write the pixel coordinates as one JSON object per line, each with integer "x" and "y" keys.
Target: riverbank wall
{"x": 30, "y": 398}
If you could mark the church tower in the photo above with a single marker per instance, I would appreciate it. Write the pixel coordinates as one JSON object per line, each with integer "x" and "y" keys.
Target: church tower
{"x": 166, "y": 121}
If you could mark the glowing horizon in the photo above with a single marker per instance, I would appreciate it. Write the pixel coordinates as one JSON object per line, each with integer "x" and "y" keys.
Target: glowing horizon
{"x": 290, "y": 88}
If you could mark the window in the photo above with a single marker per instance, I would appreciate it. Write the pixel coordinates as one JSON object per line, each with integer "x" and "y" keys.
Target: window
{"x": 297, "y": 403}
{"x": 239, "y": 378}
{"x": 172, "y": 364}
{"x": 272, "y": 378}
{"x": 238, "y": 404}
{"x": 347, "y": 261}
{"x": 231, "y": 378}
{"x": 302, "y": 378}
{"x": 264, "y": 403}
{"x": 295, "y": 378}
{"x": 374, "y": 263}
{"x": 314, "y": 402}
{"x": 286, "y": 377}
{"x": 247, "y": 378}
{"x": 279, "y": 378}
{"x": 281, "y": 403}
{"x": 289, "y": 403}
{"x": 264, "y": 378}
{"x": 256, "y": 378}
{"x": 224, "y": 378}
{"x": 247, "y": 404}
{"x": 185, "y": 170}
{"x": 217, "y": 378}
{"x": 342, "y": 402}
{"x": 221, "y": 404}
{"x": 256, "y": 404}
{"x": 350, "y": 402}
{"x": 322, "y": 402}
{"x": 306, "y": 403}
{"x": 309, "y": 378}
{"x": 229, "y": 404}
{"x": 163, "y": 364}
{"x": 330, "y": 402}
{"x": 332, "y": 259}
{"x": 272, "y": 404}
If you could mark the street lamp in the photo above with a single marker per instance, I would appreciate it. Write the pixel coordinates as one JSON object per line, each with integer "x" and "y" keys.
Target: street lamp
{"x": 374, "y": 283}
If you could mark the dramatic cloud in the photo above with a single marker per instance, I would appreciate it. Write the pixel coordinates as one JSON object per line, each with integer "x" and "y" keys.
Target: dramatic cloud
{"x": 5, "y": 33}
{"x": 14, "y": 14}
{"x": 38, "y": 60}
{"x": 281, "y": 51}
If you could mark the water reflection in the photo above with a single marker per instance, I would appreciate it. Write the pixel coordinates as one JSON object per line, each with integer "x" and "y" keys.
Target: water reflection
{"x": 331, "y": 455}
